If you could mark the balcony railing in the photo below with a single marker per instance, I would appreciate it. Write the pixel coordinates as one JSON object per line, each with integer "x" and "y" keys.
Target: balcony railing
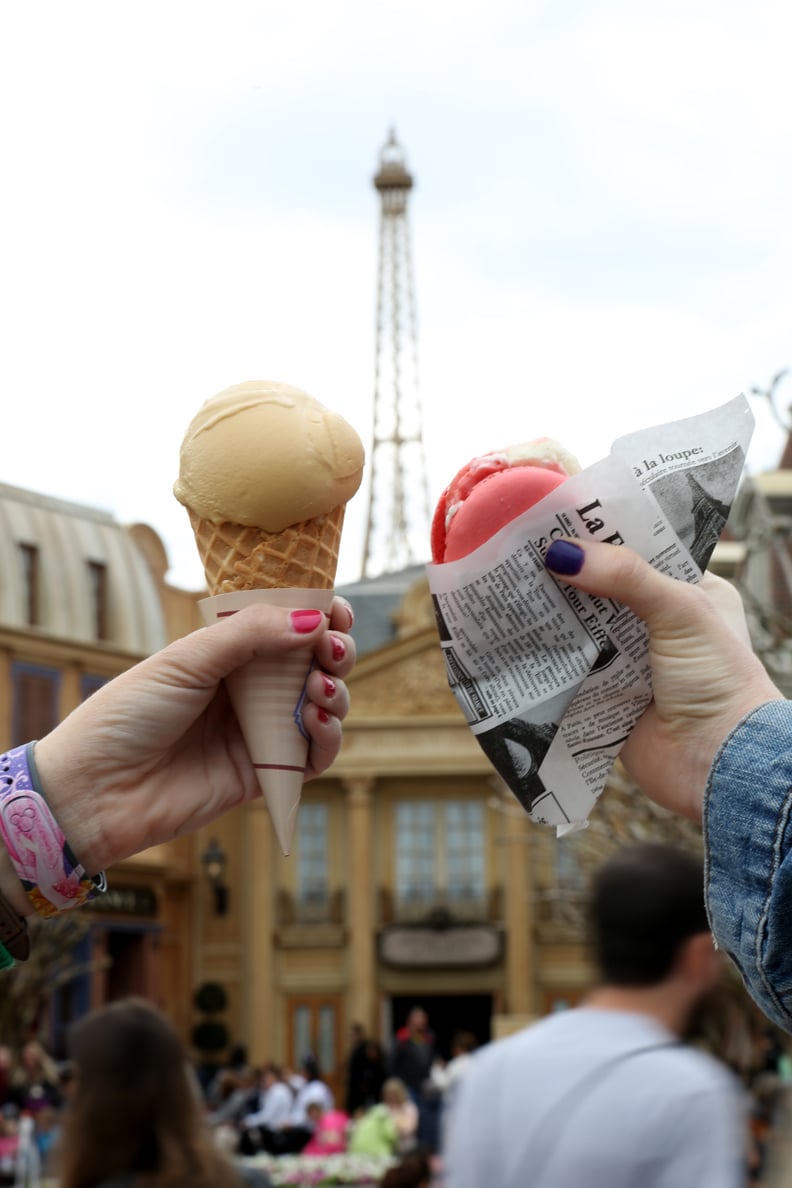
{"x": 465, "y": 905}
{"x": 316, "y": 909}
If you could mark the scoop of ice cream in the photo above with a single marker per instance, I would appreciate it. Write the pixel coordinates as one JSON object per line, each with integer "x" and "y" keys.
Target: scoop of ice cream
{"x": 267, "y": 455}
{"x": 492, "y": 490}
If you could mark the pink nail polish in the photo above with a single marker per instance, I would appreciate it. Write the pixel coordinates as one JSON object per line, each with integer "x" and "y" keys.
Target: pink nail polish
{"x": 339, "y": 648}
{"x": 323, "y": 715}
{"x": 305, "y": 621}
{"x": 329, "y": 686}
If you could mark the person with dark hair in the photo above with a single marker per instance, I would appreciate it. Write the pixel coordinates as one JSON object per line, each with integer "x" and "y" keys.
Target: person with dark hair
{"x": 411, "y": 1058}
{"x": 365, "y": 1071}
{"x": 34, "y": 1082}
{"x": 134, "y": 1116}
{"x": 645, "y": 902}
{"x": 274, "y": 1105}
{"x": 606, "y": 1094}
{"x": 413, "y": 1171}
{"x": 412, "y": 1052}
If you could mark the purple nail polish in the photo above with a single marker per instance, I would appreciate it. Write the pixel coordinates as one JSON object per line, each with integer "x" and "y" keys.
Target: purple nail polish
{"x": 565, "y": 558}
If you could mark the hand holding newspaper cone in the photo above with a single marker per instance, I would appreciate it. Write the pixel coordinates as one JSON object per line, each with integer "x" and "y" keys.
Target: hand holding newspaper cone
{"x": 265, "y": 474}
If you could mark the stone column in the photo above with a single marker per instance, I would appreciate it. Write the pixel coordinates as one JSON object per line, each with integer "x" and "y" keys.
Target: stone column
{"x": 360, "y": 903}
{"x": 6, "y": 702}
{"x": 70, "y": 691}
{"x": 258, "y": 929}
{"x": 519, "y": 914}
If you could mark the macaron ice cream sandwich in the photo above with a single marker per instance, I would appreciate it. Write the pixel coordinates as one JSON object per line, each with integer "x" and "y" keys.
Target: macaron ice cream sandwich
{"x": 492, "y": 490}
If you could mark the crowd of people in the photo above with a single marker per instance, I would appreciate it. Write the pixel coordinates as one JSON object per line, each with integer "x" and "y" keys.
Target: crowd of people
{"x": 128, "y": 1104}
{"x": 128, "y": 1085}
{"x": 394, "y": 1098}
{"x": 129, "y": 1097}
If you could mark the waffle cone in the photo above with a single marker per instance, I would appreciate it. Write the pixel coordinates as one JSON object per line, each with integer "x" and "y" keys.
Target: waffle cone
{"x": 236, "y": 557}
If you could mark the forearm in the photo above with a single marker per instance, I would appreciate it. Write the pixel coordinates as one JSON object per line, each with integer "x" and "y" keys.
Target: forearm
{"x": 748, "y": 838}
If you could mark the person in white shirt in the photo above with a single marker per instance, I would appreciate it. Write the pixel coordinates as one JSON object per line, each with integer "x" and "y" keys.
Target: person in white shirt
{"x": 606, "y": 1094}
{"x": 276, "y": 1101}
{"x": 296, "y": 1130}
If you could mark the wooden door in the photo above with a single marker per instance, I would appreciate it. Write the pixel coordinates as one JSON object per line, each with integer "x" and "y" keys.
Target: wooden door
{"x": 315, "y": 1026}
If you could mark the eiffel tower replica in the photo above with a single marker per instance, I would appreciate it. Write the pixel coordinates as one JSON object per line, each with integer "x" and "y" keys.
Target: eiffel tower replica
{"x": 398, "y": 519}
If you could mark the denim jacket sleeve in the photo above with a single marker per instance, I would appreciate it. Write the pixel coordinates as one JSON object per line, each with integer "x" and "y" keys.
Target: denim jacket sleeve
{"x": 748, "y": 843}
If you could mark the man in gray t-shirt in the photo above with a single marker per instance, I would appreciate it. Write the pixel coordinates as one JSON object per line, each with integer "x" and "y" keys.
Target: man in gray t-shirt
{"x": 606, "y": 1095}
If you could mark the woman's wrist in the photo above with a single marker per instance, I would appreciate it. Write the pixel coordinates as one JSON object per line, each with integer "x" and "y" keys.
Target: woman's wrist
{"x": 51, "y": 874}
{"x": 78, "y": 820}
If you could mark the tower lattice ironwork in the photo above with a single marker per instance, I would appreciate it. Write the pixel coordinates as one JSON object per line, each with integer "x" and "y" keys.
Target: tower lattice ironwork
{"x": 398, "y": 520}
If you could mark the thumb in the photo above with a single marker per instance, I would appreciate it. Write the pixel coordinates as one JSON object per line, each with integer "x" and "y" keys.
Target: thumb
{"x": 667, "y": 606}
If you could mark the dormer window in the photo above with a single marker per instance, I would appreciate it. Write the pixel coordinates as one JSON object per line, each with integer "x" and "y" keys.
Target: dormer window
{"x": 29, "y": 563}
{"x": 97, "y": 581}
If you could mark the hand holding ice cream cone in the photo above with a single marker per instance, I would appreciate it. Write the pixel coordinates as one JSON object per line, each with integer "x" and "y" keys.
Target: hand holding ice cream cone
{"x": 265, "y": 473}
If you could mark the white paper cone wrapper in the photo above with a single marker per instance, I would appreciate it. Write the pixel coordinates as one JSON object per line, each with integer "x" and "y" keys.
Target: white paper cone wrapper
{"x": 268, "y": 696}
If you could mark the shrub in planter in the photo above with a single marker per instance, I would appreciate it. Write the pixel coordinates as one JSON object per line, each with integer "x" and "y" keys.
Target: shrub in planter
{"x": 211, "y": 998}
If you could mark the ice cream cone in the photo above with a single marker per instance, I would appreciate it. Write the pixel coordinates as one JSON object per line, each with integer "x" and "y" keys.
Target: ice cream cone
{"x": 268, "y": 696}
{"x": 236, "y": 557}
{"x": 265, "y": 472}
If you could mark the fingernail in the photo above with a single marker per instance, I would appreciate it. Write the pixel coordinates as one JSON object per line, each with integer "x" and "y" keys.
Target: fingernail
{"x": 329, "y": 686}
{"x": 339, "y": 647}
{"x": 350, "y": 612}
{"x": 564, "y": 557}
{"x": 305, "y": 621}
{"x": 323, "y": 715}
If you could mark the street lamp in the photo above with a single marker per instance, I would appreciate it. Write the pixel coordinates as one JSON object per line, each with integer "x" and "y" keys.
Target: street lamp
{"x": 214, "y": 861}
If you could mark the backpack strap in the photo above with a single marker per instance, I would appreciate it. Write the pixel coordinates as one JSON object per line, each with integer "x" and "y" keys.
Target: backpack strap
{"x": 559, "y": 1115}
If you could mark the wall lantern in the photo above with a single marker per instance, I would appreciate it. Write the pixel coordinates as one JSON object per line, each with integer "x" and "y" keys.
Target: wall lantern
{"x": 214, "y": 862}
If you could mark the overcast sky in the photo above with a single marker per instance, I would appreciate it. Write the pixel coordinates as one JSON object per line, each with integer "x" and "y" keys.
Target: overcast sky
{"x": 602, "y": 223}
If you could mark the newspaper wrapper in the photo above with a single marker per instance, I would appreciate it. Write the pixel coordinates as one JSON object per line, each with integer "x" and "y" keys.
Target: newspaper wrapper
{"x": 268, "y": 697}
{"x": 550, "y": 679}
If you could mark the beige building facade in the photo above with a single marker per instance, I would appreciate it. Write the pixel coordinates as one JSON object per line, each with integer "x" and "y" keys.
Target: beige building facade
{"x": 415, "y": 879}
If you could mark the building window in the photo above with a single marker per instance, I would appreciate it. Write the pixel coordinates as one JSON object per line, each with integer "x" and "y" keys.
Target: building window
{"x": 97, "y": 584}
{"x": 29, "y": 561}
{"x": 416, "y": 843}
{"x": 464, "y": 830}
{"x": 35, "y": 694}
{"x": 440, "y": 853}
{"x": 312, "y": 854}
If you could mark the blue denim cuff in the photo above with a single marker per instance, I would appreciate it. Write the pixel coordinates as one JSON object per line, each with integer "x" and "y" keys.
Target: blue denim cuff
{"x": 747, "y": 838}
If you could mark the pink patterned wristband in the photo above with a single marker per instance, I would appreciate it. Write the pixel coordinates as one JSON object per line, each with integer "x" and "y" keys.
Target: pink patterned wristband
{"x": 52, "y": 877}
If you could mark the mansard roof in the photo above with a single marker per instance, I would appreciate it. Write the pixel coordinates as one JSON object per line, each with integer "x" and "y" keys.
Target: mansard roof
{"x": 376, "y": 602}
{"x": 68, "y": 537}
